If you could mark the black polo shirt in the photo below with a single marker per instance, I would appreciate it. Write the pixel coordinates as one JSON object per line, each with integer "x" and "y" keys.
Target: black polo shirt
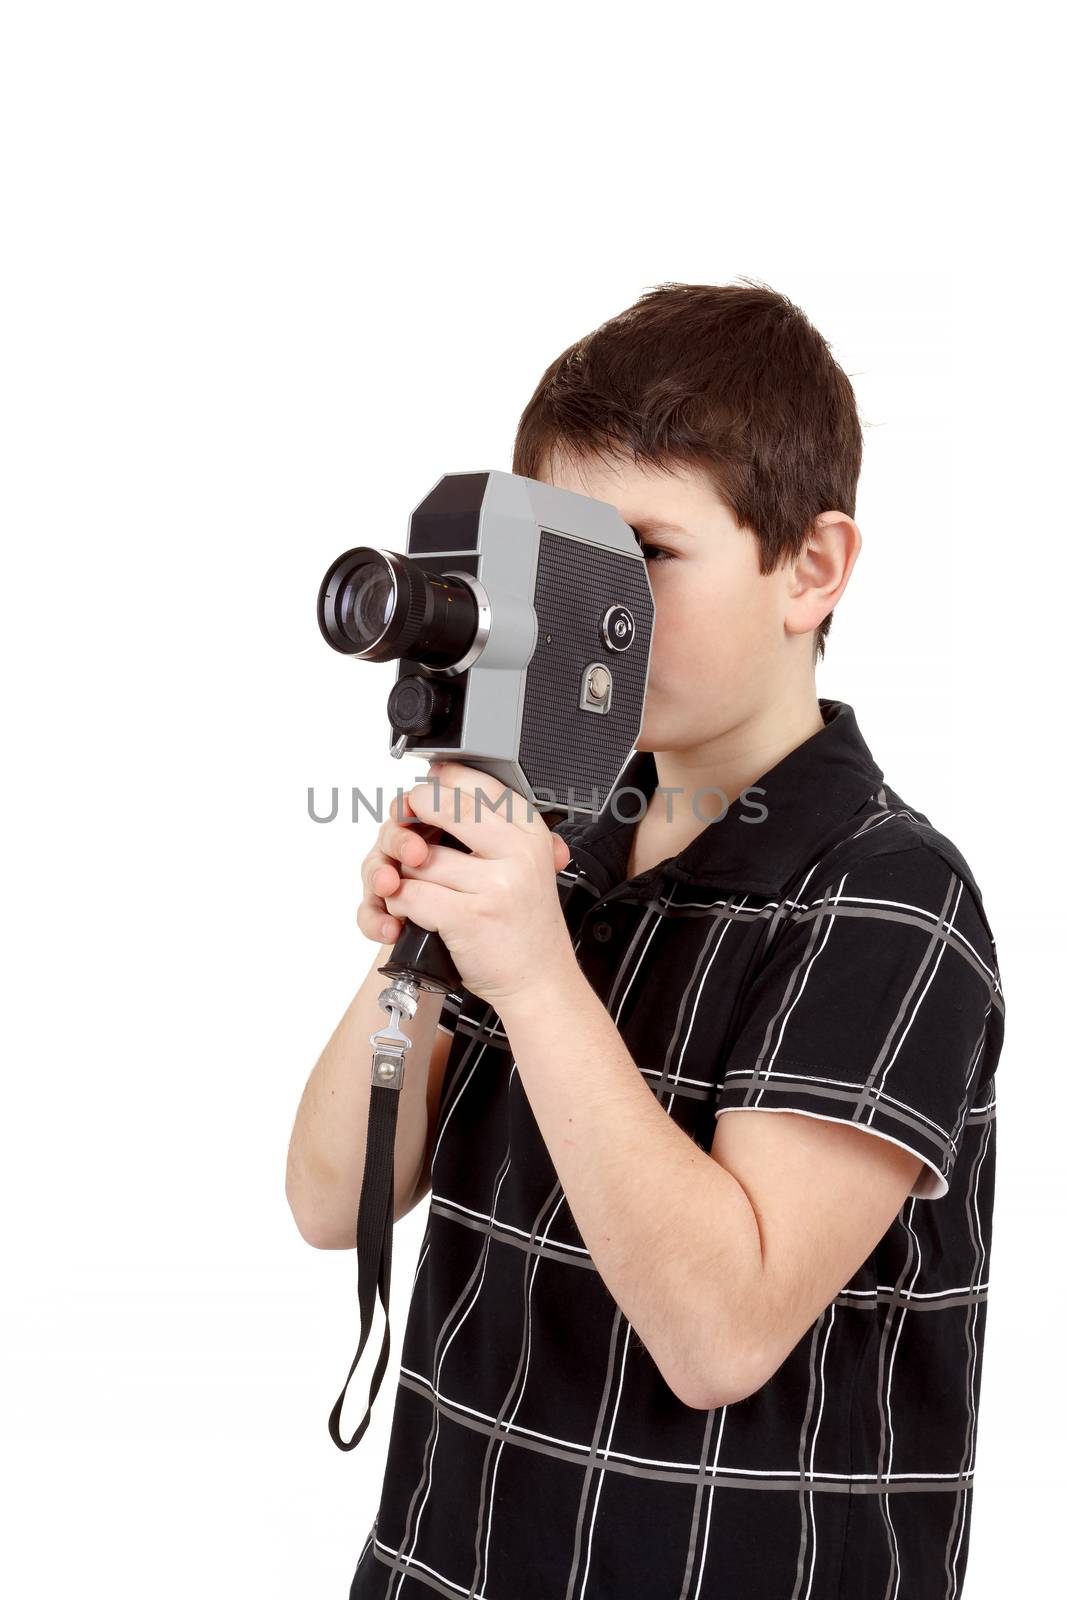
{"x": 832, "y": 958}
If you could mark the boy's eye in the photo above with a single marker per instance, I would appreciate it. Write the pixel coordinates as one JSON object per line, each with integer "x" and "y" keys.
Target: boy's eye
{"x": 656, "y": 551}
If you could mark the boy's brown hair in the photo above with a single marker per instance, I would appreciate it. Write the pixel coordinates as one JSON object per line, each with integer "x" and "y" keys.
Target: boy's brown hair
{"x": 731, "y": 379}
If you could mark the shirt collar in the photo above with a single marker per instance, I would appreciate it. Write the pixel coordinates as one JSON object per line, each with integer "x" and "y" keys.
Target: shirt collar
{"x": 807, "y": 795}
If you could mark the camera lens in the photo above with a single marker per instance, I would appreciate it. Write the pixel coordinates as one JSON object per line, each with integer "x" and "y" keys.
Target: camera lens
{"x": 366, "y": 605}
{"x": 382, "y": 606}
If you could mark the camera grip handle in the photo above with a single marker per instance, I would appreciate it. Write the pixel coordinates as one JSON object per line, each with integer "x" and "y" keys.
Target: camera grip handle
{"x": 422, "y": 955}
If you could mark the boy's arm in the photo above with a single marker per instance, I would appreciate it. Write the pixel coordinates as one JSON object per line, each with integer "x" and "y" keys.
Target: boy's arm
{"x": 327, "y": 1148}
{"x": 719, "y": 1261}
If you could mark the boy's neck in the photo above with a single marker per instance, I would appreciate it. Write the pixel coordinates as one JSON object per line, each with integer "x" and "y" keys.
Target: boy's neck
{"x": 730, "y": 762}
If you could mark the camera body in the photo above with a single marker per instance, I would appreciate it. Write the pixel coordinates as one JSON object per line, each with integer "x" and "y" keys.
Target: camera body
{"x": 522, "y": 644}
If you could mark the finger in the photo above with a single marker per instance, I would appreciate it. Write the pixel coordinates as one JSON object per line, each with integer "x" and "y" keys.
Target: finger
{"x": 380, "y": 875}
{"x": 471, "y": 818}
{"x": 454, "y": 869}
{"x": 374, "y": 860}
{"x": 404, "y": 843}
{"x": 398, "y": 806}
{"x": 369, "y": 866}
{"x": 395, "y": 844}
{"x": 427, "y": 904}
{"x": 496, "y": 798}
{"x": 385, "y": 879}
{"x": 375, "y": 922}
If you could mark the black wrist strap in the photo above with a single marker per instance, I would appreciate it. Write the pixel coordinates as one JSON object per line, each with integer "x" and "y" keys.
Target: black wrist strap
{"x": 374, "y": 1245}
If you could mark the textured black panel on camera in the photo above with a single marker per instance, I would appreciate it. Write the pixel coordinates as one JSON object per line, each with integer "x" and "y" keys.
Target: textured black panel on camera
{"x": 563, "y": 749}
{"x": 448, "y": 517}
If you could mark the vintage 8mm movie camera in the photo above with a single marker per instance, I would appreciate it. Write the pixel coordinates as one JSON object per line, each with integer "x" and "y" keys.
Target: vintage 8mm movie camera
{"x": 520, "y": 617}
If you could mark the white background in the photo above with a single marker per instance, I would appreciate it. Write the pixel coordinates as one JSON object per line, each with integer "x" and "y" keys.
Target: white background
{"x": 269, "y": 271}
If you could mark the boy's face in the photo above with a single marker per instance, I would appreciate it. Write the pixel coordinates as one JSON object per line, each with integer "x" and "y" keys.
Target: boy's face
{"x": 720, "y": 652}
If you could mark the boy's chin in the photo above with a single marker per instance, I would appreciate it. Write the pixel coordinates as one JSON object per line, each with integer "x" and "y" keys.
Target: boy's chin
{"x": 662, "y": 733}
{"x": 659, "y": 730}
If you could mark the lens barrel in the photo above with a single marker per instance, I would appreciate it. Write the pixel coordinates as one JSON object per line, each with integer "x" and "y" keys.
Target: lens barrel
{"x": 382, "y": 606}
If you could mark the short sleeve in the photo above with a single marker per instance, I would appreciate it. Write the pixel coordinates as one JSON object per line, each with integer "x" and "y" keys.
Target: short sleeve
{"x": 878, "y": 1003}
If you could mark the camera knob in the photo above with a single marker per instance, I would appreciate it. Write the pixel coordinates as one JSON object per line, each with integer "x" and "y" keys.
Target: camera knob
{"x": 415, "y": 704}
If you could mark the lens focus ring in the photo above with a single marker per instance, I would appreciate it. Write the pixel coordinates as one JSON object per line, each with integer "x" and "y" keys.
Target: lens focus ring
{"x": 382, "y": 606}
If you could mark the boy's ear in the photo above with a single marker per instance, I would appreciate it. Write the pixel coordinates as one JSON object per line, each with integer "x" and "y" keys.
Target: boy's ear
{"x": 819, "y": 576}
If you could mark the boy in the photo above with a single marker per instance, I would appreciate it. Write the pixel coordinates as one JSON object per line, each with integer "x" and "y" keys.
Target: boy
{"x": 656, "y": 1349}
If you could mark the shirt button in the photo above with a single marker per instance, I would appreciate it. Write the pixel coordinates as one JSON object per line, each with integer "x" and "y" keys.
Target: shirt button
{"x": 602, "y": 931}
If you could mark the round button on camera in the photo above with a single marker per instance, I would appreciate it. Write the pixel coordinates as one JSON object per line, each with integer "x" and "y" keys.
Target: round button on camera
{"x": 617, "y": 628}
{"x": 602, "y": 931}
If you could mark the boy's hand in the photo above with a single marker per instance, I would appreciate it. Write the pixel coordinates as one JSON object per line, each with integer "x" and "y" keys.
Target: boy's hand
{"x": 398, "y": 845}
{"x": 498, "y": 908}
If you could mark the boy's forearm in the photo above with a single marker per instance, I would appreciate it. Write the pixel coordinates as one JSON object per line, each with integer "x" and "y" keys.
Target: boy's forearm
{"x": 670, "y": 1231}
{"x": 324, "y": 1168}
